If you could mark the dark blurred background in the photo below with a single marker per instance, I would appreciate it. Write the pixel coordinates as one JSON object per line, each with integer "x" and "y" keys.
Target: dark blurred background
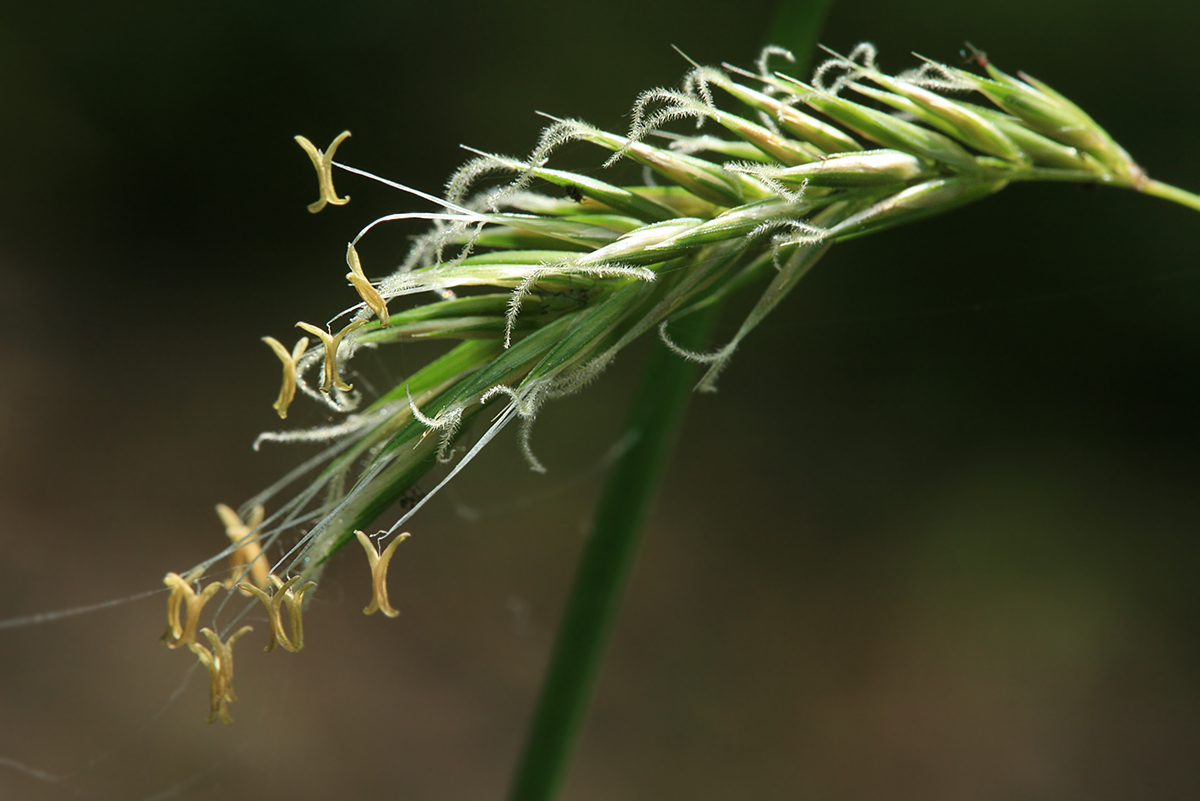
{"x": 935, "y": 538}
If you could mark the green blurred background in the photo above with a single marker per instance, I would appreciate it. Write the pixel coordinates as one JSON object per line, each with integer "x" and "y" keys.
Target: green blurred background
{"x": 935, "y": 538}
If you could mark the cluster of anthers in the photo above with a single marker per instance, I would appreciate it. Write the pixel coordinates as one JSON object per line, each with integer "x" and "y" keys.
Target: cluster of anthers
{"x": 544, "y": 279}
{"x": 185, "y": 603}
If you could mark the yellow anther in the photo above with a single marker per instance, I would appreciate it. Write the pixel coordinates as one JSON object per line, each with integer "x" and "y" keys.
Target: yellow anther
{"x": 366, "y": 291}
{"x": 323, "y": 161}
{"x": 288, "y": 391}
{"x": 285, "y": 593}
{"x": 331, "y": 342}
{"x": 379, "y": 565}
{"x": 180, "y": 633}
{"x": 249, "y": 558}
{"x": 219, "y": 664}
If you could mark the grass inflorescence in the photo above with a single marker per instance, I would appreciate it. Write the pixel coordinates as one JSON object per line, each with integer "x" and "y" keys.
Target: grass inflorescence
{"x": 545, "y": 277}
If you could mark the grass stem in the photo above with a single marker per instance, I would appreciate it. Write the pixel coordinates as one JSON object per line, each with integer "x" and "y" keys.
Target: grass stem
{"x": 605, "y": 565}
{"x": 1171, "y": 193}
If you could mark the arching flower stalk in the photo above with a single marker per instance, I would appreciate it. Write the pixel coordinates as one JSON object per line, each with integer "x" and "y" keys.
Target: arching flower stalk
{"x": 545, "y": 278}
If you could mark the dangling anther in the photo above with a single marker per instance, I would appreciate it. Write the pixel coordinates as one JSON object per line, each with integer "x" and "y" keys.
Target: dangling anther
{"x": 285, "y": 593}
{"x": 184, "y": 632}
{"x": 323, "y": 161}
{"x": 331, "y": 342}
{"x": 219, "y": 664}
{"x": 249, "y": 558}
{"x": 366, "y": 291}
{"x": 379, "y": 565}
{"x": 288, "y": 391}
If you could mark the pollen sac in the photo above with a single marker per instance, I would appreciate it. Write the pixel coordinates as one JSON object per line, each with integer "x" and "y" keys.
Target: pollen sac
{"x": 323, "y": 162}
{"x": 287, "y": 392}
{"x": 369, "y": 294}
{"x": 331, "y": 342}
